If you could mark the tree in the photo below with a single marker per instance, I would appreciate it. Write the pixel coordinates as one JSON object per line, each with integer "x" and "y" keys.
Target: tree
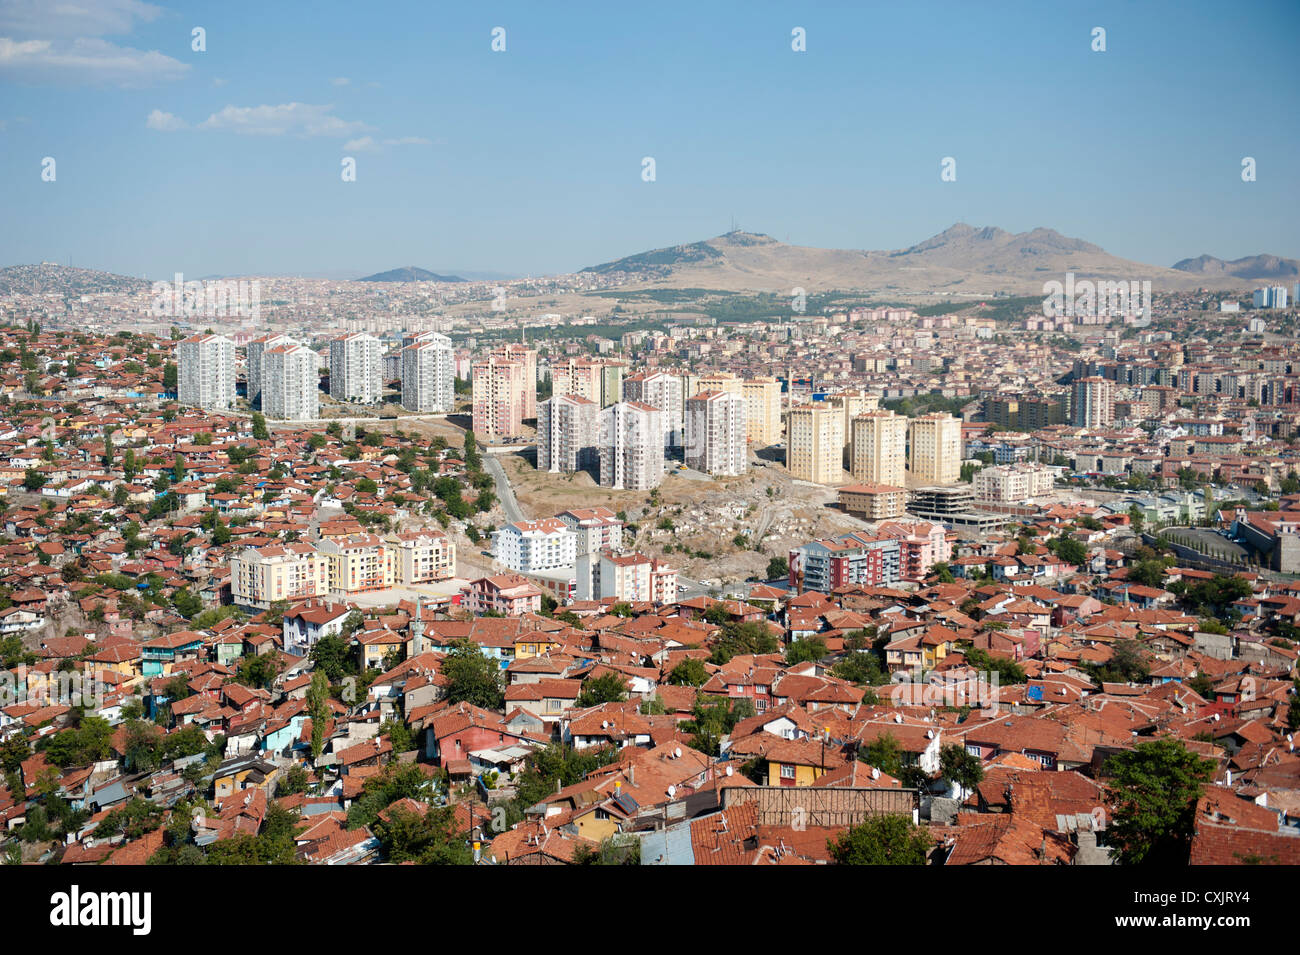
{"x": 318, "y": 695}
{"x": 33, "y": 480}
{"x": 809, "y": 648}
{"x": 1152, "y": 792}
{"x": 425, "y": 838}
{"x": 743, "y": 638}
{"x": 958, "y": 766}
{"x": 611, "y": 851}
{"x": 690, "y": 672}
{"x": 861, "y": 667}
{"x": 143, "y": 746}
{"x": 1136, "y": 518}
{"x": 472, "y": 677}
{"x": 260, "y": 431}
{"x": 606, "y": 688}
{"x": 187, "y": 604}
{"x": 942, "y": 572}
{"x": 881, "y": 840}
{"x": 258, "y": 670}
{"x": 1148, "y": 573}
{"x": 778, "y": 567}
{"x": 884, "y": 753}
{"x": 1127, "y": 664}
{"x": 332, "y": 656}
{"x": 713, "y": 718}
{"x": 1071, "y": 551}
{"x": 169, "y": 377}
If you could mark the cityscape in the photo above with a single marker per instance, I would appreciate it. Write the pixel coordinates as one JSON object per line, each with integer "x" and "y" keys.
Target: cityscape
{"x": 710, "y": 548}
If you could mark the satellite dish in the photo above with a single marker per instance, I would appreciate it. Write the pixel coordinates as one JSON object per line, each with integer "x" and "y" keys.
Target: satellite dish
{"x": 898, "y": 717}
{"x": 729, "y": 770}
{"x": 929, "y": 734}
{"x": 672, "y": 791}
{"x": 875, "y": 773}
{"x": 677, "y": 752}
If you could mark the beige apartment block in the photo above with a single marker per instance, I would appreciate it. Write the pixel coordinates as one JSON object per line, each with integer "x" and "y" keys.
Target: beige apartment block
{"x": 815, "y": 445}
{"x": 763, "y": 410}
{"x": 423, "y": 557}
{"x": 878, "y": 449}
{"x": 500, "y": 398}
{"x": 934, "y": 452}
{"x": 260, "y": 577}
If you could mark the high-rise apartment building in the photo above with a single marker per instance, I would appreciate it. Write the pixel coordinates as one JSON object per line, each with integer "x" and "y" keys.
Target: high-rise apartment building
{"x": 1271, "y": 296}
{"x": 814, "y": 449}
{"x": 428, "y": 379}
{"x": 355, "y": 368}
{"x": 663, "y": 391}
{"x": 878, "y": 452}
{"x": 291, "y": 382}
{"x": 852, "y": 403}
{"x": 205, "y": 372}
{"x": 253, "y": 363}
{"x": 499, "y": 397}
{"x": 600, "y": 381}
{"x": 567, "y": 435}
{"x": 715, "y": 433}
{"x": 1094, "y": 402}
{"x": 934, "y": 452}
{"x": 631, "y": 446}
{"x": 527, "y": 358}
{"x": 762, "y": 410}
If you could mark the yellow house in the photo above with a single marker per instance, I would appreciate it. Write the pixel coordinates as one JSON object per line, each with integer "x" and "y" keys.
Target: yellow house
{"x": 801, "y": 762}
{"x": 936, "y": 643}
{"x": 534, "y": 644}
{"x": 375, "y": 647}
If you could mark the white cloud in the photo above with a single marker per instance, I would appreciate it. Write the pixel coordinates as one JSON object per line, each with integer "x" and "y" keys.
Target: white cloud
{"x": 86, "y": 61}
{"x": 219, "y": 81}
{"x": 74, "y": 18}
{"x": 165, "y": 121}
{"x": 368, "y": 144}
{"x": 302, "y": 119}
{"x": 340, "y": 81}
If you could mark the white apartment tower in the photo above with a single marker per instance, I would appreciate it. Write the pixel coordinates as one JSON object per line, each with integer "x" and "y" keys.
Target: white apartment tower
{"x": 663, "y": 391}
{"x": 205, "y": 372}
{"x": 1094, "y": 402}
{"x": 253, "y": 363}
{"x": 355, "y": 362}
{"x": 715, "y": 433}
{"x": 291, "y": 382}
{"x": 631, "y": 446}
{"x": 428, "y": 378}
{"x": 566, "y": 434}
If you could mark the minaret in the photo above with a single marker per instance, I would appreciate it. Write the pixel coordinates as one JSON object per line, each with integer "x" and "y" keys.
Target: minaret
{"x": 417, "y": 627}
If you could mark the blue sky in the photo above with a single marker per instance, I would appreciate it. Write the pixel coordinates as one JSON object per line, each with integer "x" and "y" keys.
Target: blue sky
{"x": 529, "y": 161}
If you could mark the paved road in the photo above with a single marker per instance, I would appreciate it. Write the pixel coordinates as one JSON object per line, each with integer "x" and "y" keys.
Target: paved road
{"x": 505, "y": 493}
